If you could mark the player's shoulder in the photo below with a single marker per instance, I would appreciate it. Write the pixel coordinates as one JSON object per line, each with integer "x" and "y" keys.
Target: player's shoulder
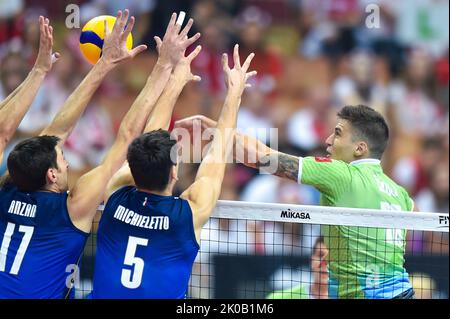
{"x": 325, "y": 160}
{"x": 401, "y": 191}
{"x": 399, "y": 187}
{"x": 119, "y": 193}
{"x": 328, "y": 165}
{"x": 404, "y": 192}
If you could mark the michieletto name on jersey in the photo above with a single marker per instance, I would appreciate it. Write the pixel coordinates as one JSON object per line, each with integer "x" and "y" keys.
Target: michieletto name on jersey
{"x": 149, "y": 222}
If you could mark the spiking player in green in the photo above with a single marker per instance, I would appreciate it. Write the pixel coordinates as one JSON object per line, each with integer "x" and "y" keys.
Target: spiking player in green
{"x": 363, "y": 262}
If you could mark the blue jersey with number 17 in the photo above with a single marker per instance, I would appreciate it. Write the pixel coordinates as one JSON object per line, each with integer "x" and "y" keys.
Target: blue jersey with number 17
{"x": 146, "y": 247}
{"x": 40, "y": 247}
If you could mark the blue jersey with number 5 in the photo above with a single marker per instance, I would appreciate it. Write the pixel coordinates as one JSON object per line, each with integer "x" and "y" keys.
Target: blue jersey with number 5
{"x": 40, "y": 247}
{"x": 146, "y": 247}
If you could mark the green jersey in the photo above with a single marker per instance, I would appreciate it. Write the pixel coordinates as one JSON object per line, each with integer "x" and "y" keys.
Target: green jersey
{"x": 296, "y": 292}
{"x": 363, "y": 262}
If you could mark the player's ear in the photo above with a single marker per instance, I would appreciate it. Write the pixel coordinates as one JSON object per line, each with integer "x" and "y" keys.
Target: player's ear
{"x": 361, "y": 149}
{"x": 51, "y": 175}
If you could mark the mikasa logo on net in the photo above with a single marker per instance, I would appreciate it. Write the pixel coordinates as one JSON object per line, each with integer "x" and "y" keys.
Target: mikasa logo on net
{"x": 291, "y": 214}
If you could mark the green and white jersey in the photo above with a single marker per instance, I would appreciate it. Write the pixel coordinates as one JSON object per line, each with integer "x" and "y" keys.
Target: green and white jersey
{"x": 363, "y": 262}
{"x": 296, "y": 292}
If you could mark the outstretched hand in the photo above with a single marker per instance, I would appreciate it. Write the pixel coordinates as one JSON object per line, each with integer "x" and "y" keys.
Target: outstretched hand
{"x": 45, "y": 59}
{"x": 237, "y": 77}
{"x": 172, "y": 47}
{"x": 201, "y": 121}
{"x": 182, "y": 71}
{"x": 115, "y": 48}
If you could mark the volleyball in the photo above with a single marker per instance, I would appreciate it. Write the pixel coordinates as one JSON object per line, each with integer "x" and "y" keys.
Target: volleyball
{"x": 93, "y": 34}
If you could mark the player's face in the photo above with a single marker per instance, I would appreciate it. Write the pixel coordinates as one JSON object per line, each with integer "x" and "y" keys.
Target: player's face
{"x": 319, "y": 262}
{"x": 340, "y": 145}
{"x": 62, "y": 170}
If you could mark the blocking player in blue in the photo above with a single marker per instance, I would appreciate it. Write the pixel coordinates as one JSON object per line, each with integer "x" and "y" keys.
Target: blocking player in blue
{"x": 16, "y": 104}
{"x": 147, "y": 238}
{"x": 43, "y": 228}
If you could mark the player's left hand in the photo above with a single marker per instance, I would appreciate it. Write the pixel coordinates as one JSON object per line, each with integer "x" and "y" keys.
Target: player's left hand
{"x": 114, "y": 48}
{"x": 237, "y": 77}
{"x": 182, "y": 71}
{"x": 201, "y": 121}
{"x": 45, "y": 59}
{"x": 172, "y": 47}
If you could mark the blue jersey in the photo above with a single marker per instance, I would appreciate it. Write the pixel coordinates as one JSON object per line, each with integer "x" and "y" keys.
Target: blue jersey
{"x": 146, "y": 247}
{"x": 40, "y": 247}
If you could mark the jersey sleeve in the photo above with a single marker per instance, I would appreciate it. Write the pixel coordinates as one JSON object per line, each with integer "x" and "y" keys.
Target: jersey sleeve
{"x": 409, "y": 201}
{"x": 329, "y": 176}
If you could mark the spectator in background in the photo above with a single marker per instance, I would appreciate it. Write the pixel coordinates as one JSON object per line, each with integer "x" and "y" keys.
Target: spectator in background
{"x": 435, "y": 198}
{"x": 425, "y": 286}
{"x": 318, "y": 285}
{"x": 412, "y": 172}
{"x": 415, "y": 113}
{"x": 382, "y": 38}
{"x": 360, "y": 86}
{"x": 254, "y": 116}
{"x": 413, "y": 99}
{"x": 44, "y": 106}
{"x": 252, "y": 24}
{"x": 330, "y": 27}
{"x": 11, "y": 26}
{"x": 314, "y": 119}
{"x": 216, "y": 29}
{"x": 441, "y": 68}
{"x": 14, "y": 70}
{"x": 90, "y": 140}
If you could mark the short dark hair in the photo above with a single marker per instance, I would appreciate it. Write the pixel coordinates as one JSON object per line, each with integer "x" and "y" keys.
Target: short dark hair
{"x": 368, "y": 125}
{"x": 30, "y": 160}
{"x": 149, "y": 158}
{"x": 319, "y": 240}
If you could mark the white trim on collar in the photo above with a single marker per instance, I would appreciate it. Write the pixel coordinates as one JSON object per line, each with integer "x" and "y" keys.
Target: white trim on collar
{"x": 366, "y": 161}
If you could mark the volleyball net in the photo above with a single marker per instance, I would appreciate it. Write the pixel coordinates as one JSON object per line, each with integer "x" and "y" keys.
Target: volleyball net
{"x": 281, "y": 251}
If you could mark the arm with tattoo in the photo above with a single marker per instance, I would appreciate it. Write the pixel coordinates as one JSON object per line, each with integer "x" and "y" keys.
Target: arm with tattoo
{"x": 253, "y": 153}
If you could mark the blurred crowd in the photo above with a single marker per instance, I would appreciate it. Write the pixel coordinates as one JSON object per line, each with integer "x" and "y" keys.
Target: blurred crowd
{"x": 312, "y": 58}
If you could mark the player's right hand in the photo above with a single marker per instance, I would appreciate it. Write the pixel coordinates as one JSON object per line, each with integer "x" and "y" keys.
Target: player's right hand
{"x": 237, "y": 77}
{"x": 45, "y": 59}
{"x": 172, "y": 47}
{"x": 114, "y": 48}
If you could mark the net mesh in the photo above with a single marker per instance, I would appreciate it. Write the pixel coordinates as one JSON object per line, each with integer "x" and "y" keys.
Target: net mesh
{"x": 276, "y": 251}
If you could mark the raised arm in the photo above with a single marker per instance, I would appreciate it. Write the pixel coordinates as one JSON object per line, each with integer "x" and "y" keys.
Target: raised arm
{"x": 250, "y": 151}
{"x": 114, "y": 51}
{"x": 14, "y": 107}
{"x": 253, "y": 153}
{"x": 161, "y": 113}
{"x": 204, "y": 192}
{"x": 89, "y": 191}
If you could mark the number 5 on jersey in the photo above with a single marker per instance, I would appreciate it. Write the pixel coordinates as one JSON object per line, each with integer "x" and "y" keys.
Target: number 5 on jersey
{"x": 132, "y": 278}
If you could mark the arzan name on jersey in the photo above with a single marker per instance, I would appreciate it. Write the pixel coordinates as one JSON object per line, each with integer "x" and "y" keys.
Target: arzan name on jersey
{"x": 149, "y": 222}
{"x": 22, "y": 209}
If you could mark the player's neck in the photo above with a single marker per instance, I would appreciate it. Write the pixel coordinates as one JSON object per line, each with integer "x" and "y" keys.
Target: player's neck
{"x": 166, "y": 192}
{"x": 51, "y": 189}
{"x": 362, "y": 157}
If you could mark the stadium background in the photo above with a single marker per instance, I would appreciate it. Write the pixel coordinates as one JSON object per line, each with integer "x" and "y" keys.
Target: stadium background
{"x": 312, "y": 57}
